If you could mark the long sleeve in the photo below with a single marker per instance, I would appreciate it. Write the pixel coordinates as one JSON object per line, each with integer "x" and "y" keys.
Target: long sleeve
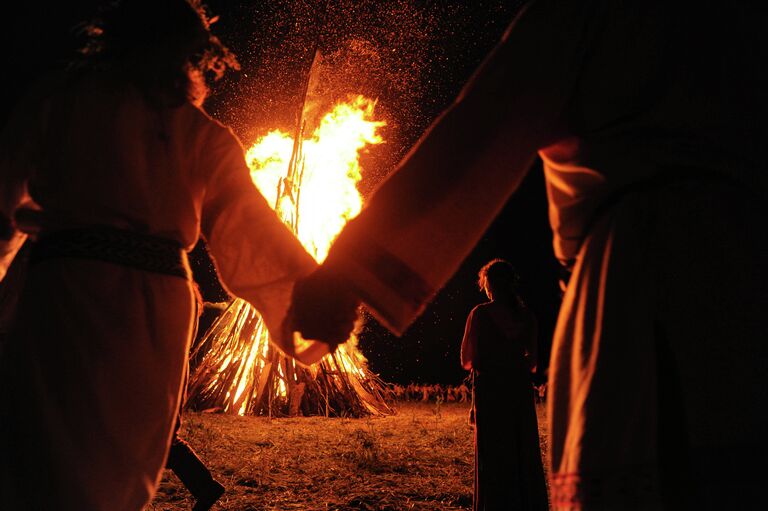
{"x": 469, "y": 343}
{"x": 256, "y": 255}
{"x": 20, "y": 149}
{"x": 424, "y": 220}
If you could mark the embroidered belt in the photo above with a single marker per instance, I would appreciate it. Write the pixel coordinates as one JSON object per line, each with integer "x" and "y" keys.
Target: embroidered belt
{"x": 111, "y": 245}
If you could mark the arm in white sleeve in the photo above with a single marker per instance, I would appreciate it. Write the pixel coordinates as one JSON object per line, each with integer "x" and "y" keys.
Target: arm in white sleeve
{"x": 257, "y": 257}
{"x": 428, "y": 215}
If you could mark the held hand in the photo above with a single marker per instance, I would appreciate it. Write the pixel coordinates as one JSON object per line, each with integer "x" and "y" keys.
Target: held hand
{"x": 324, "y": 307}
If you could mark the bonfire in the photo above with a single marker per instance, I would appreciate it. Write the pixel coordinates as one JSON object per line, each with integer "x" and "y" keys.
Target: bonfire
{"x": 311, "y": 183}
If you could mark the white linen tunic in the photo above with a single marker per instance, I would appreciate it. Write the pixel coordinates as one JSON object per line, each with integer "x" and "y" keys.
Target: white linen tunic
{"x": 651, "y": 126}
{"x": 91, "y": 373}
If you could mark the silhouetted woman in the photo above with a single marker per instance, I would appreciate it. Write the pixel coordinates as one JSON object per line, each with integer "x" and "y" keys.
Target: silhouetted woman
{"x": 499, "y": 345}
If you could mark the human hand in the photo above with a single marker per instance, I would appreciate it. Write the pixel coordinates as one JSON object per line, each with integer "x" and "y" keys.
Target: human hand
{"x": 324, "y": 307}
{"x": 30, "y": 220}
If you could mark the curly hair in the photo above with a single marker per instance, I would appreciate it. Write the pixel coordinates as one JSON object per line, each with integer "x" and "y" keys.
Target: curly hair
{"x": 165, "y": 48}
{"x": 500, "y": 280}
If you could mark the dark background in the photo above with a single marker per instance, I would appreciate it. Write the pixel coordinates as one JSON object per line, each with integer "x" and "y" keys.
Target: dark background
{"x": 414, "y": 57}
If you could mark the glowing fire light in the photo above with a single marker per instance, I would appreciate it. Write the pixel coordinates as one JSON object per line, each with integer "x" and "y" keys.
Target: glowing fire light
{"x": 314, "y": 192}
{"x": 330, "y": 173}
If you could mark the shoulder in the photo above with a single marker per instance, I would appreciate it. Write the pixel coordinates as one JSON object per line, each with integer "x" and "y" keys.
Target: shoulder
{"x": 217, "y": 138}
{"x": 203, "y": 120}
{"x": 480, "y": 312}
{"x": 481, "y": 309}
{"x": 203, "y": 117}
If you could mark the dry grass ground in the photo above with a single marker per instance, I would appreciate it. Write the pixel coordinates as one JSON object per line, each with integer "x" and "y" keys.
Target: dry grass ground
{"x": 420, "y": 459}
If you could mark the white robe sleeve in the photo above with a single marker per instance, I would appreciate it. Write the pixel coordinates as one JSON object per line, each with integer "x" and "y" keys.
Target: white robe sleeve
{"x": 427, "y": 216}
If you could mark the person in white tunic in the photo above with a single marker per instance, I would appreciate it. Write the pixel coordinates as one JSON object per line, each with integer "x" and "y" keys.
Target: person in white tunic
{"x": 128, "y": 171}
{"x": 650, "y": 119}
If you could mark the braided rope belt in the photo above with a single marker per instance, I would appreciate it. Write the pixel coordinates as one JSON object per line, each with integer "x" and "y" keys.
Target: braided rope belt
{"x": 118, "y": 246}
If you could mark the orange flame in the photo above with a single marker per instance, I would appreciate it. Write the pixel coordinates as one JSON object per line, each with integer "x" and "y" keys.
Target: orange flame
{"x": 330, "y": 173}
{"x": 321, "y": 200}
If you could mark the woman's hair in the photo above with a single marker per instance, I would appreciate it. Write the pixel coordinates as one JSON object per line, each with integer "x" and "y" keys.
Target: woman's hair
{"x": 164, "y": 47}
{"x": 502, "y": 281}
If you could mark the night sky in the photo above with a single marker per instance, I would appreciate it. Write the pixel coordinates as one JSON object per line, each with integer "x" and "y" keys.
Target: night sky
{"x": 413, "y": 56}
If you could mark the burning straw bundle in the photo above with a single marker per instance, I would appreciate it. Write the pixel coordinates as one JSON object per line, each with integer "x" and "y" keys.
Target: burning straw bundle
{"x": 240, "y": 371}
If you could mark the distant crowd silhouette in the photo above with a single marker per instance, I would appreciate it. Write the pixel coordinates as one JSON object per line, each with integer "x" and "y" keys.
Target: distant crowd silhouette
{"x": 461, "y": 393}
{"x": 435, "y": 392}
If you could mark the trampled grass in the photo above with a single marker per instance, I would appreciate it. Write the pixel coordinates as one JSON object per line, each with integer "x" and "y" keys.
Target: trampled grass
{"x": 420, "y": 459}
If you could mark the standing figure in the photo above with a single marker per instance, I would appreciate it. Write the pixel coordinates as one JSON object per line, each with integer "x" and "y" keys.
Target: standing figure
{"x": 411, "y": 392}
{"x": 499, "y": 346}
{"x": 129, "y": 172}
{"x": 463, "y": 392}
{"x": 651, "y": 128}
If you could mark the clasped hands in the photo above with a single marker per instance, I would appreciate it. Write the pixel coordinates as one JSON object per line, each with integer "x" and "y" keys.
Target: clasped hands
{"x": 324, "y": 307}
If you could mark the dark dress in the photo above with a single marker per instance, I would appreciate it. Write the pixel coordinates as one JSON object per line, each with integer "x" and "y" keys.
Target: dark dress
{"x": 509, "y": 473}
